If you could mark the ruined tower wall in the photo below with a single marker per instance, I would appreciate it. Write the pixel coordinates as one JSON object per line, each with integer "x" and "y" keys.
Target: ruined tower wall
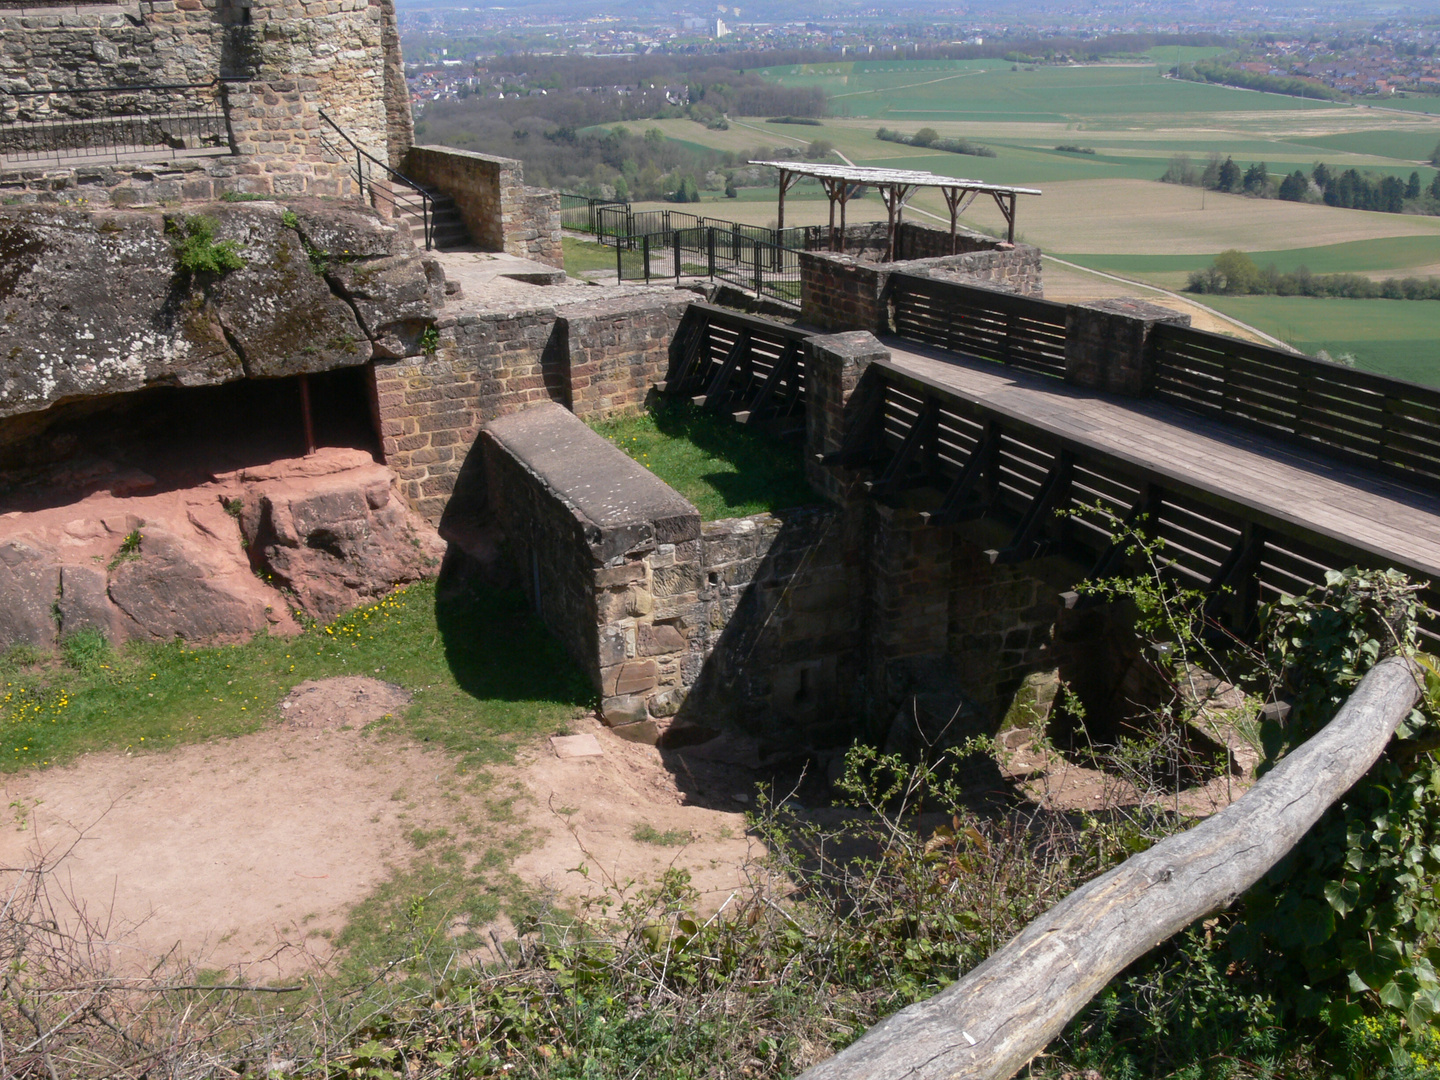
{"x": 283, "y": 61}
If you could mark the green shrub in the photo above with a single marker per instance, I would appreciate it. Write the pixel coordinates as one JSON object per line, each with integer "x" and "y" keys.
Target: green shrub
{"x": 195, "y": 246}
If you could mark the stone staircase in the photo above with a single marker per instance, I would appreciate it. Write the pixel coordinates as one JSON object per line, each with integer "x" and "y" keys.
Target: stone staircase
{"x": 447, "y": 226}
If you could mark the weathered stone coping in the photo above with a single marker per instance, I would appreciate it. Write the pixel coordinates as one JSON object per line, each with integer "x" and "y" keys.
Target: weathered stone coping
{"x": 621, "y": 504}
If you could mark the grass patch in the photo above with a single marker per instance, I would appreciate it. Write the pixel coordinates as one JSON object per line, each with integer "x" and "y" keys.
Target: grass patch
{"x": 645, "y": 833}
{"x": 587, "y": 256}
{"x": 724, "y": 468}
{"x": 485, "y": 674}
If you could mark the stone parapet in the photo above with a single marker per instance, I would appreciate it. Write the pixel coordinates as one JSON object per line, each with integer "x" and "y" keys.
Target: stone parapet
{"x": 848, "y": 292}
{"x": 1106, "y": 343}
{"x": 833, "y": 366}
{"x": 740, "y": 621}
{"x": 499, "y": 211}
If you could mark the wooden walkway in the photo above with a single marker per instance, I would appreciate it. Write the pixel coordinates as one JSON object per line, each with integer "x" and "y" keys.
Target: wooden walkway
{"x": 1330, "y": 504}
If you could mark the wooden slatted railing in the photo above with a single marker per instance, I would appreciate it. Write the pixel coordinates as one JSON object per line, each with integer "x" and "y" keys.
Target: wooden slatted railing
{"x": 1371, "y": 420}
{"x": 911, "y": 432}
{"x": 1020, "y": 331}
{"x": 739, "y": 363}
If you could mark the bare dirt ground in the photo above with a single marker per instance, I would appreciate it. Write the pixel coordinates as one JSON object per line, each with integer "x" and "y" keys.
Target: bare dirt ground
{"x": 247, "y": 854}
{"x": 243, "y": 853}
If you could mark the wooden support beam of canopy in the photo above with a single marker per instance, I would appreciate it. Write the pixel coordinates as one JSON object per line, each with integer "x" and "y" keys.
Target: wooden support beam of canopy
{"x": 841, "y": 183}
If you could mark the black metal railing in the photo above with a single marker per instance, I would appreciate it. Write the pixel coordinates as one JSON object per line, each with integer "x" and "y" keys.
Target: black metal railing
{"x": 114, "y": 122}
{"x": 401, "y": 195}
{"x": 619, "y": 225}
{"x": 729, "y": 254}
{"x": 580, "y": 212}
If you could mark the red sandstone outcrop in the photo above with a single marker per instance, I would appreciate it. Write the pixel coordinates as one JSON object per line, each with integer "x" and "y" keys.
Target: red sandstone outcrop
{"x": 214, "y": 563}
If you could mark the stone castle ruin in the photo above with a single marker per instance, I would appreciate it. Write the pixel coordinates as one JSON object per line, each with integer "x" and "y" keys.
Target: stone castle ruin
{"x": 213, "y": 449}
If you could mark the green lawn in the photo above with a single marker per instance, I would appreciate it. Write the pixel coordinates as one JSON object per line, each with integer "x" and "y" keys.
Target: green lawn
{"x": 725, "y": 469}
{"x": 583, "y": 256}
{"x": 484, "y": 672}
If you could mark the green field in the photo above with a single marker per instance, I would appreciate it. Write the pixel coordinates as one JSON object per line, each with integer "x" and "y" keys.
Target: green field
{"x": 991, "y": 90}
{"x": 1104, "y": 210}
{"x": 1397, "y": 254}
{"x": 1392, "y": 337}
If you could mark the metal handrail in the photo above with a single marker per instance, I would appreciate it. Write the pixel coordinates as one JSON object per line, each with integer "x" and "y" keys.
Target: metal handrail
{"x": 427, "y": 205}
{"x": 93, "y": 121}
{"x": 65, "y": 90}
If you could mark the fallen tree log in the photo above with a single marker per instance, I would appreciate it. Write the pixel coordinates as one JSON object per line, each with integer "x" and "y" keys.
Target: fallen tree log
{"x": 1004, "y": 1012}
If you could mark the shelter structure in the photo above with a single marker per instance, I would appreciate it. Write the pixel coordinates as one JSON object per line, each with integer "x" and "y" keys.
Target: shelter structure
{"x": 841, "y": 183}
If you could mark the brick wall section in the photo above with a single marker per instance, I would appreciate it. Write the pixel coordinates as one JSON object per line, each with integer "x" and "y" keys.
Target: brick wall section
{"x": 431, "y": 406}
{"x": 843, "y": 292}
{"x": 501, "y": 213}
{"x": 916, "y": 241}
{"x": 599, "y": 357}
{"x": 1105, "y": 343}
{"x": 618, "y": 349}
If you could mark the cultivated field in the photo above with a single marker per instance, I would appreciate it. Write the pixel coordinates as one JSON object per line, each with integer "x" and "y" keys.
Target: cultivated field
{"x": 1105, "y": 210}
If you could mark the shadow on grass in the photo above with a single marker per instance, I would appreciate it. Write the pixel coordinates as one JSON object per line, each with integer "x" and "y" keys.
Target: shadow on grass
{"x": 497, "y": 650}
{"x": 768, "y": 471}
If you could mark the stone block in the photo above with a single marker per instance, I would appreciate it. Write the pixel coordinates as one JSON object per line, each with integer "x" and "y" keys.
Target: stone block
{"x": 659, "y": 639}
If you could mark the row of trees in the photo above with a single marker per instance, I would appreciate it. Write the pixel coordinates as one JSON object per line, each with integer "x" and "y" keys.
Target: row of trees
{"x": 1349, "y": 188}
{"x": 1234, "y": 273}
{"x": 1212, "y": 72}
{"x": 1217, "y": 175}
{"x": 932, "y": 139}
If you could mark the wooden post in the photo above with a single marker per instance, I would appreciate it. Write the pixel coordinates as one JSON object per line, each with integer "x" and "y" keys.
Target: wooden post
{"x": 306, "y": 419}
{"x": 784, "y": 177}
{"x": 1003, "y": 1013}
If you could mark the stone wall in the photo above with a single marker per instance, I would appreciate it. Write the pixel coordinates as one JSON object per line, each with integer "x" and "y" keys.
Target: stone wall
{"x": 618, "y": 350}
{"x": 598, "y": 357}
{"x": 741, "y": 621}
{"x": 500, "y": 212}
{"x": 802, "y": 628}
{"x": 431, "y": 406}
{"x": 845, "y": 292}
{"x": 161, "y": 183}
{"x": 606, "y": 552}
{"x": 283, "y": 60}
{"x": 1106, "y": 344}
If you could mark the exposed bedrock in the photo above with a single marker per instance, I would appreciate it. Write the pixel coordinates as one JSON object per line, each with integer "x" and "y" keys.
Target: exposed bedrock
{"x": 215, "y": 563}
{"x": 96, "y": 303}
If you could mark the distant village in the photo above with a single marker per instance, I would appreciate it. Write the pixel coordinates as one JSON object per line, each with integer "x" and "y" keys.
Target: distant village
{"x": 1390, "y": 59}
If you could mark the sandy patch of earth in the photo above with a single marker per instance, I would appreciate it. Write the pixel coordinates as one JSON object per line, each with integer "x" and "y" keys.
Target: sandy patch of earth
{"x": 242, "y": 853}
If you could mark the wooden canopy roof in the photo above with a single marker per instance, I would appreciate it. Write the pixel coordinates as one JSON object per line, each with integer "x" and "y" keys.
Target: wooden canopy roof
{"x": 896, "y": 186}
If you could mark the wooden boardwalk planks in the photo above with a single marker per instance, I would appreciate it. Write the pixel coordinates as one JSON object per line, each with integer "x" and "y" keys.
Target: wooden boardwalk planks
{"x": 1356, "y": 512}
